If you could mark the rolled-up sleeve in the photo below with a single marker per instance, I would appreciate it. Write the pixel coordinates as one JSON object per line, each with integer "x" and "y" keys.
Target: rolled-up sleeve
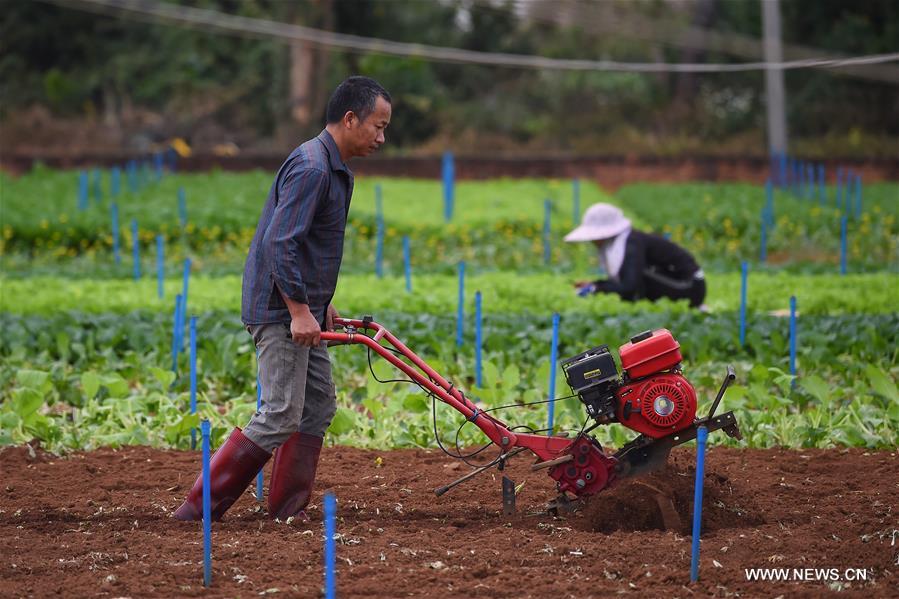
{"x": 300, "y": 193}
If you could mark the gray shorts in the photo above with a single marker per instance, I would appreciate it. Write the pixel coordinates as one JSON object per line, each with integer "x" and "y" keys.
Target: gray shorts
{"x": 297, "y": 390}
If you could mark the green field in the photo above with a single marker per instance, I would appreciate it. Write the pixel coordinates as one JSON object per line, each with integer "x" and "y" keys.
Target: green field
{"x": 85, "y": 358}
{"x": 497, "y": 225}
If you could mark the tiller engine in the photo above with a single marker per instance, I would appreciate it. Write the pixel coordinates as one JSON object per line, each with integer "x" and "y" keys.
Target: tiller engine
{"x": 650, "y": 396}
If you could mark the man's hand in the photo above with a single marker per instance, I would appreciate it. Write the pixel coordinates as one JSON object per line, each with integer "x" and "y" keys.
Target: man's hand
{"x": 304, "y": 329}
{"x": 330, "y": 316}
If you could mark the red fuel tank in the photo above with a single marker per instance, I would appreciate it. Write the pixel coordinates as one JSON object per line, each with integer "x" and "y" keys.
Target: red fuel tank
{"x": 649, "y": 352}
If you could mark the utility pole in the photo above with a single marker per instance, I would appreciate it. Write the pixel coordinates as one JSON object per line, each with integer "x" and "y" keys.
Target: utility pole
{"x": 774, "y": 78}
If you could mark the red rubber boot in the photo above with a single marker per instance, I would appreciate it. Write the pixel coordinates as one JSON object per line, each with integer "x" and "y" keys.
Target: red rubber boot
{"x": 293, "y": 475}
{"x": 231, "y": 469}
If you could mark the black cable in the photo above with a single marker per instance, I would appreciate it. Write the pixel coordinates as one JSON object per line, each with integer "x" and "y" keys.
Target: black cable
{"x": 459, "y": 455}
{"x": 372, "y": 370}
{"x": 530, "y": 403}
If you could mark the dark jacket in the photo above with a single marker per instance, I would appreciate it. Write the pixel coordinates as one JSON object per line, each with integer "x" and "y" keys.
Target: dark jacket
{"x": 653, "y": 267}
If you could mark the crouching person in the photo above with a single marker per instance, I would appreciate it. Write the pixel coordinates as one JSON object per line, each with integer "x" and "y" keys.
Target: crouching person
{"x": 639, "y": 265}
{"x": 288, "y": 283}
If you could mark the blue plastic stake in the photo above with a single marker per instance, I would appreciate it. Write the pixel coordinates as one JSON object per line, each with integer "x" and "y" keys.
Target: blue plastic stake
{"x": 157, "y": 163}
{"x": 83, "y": 185}
{"x": 782, "y": 180}
{"x": 449, "y": 185}
{"x": 379, "y": 223}
{"x": 115, "y": 181}
{"x": 547, "y": 209}
{"x": 793, "y": 335}
{"x": 478, "y": 340}
{"x": 822, "y": 185}
{"x": 330, "y": 513}
{"x": 858, "y": 196}
{"x": 407, "y": 263}
{"x": 135, "y": 248}
{"x": 848, "y": 177}
{"x": 193, "y": 377}
{"x": 702, "y": 434}
{"x": 797, "y": 177}
{"x": 160, "y": 264}
{"x": 259, "y": 476}
{"x": 553, "y": 358}
{"x": 182, "y": 207}
{"x": 576, "y": 201}
{"x": 207, "y": 509}
{"x": 811, "y": 188}
{"x": 98, "y": 188}
{"x": 131, "y": 170}
{"x": 810, "y": 181}
{"x": 769, "y": 202}
{"x": 744, "y": 274}
{"x": 838, "y": 191}
{"x": 843, "y": 244}
{"x": 114, "y": 208}
{"x": 177, "y": 323}
{"x": 184, "y": 291}
{"x": 460, "y": 318}
{"x": 379, "y": 205}
{"x": 763, "y": 241}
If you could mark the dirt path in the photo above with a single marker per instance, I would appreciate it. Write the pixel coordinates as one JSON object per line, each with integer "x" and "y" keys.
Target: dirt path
{"x": 99, "y": 524}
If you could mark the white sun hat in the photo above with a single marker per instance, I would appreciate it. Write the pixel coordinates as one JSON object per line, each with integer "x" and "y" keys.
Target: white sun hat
{"x": 601, "y": 221}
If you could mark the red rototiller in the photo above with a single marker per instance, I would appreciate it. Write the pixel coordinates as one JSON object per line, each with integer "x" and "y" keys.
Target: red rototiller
{"x": 651, "y": 396}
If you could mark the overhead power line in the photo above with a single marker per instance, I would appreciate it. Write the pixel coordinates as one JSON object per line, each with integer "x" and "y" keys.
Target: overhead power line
{"x": 252, "y": 27}
{"x": 600, "y": 19}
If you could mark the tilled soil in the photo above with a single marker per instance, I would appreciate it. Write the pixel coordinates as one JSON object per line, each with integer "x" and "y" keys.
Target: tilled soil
{"x": 99, "y": 524}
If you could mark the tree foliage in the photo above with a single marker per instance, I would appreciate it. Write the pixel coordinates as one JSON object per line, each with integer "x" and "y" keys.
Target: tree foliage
{"x": 79, "y": 64}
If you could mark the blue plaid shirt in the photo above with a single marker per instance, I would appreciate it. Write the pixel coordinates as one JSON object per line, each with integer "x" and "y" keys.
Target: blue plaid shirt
{"x": 298, "y": 243}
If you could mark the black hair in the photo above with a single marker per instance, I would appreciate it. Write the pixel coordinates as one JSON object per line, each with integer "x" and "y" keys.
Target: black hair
{"x": 357, "y": 94}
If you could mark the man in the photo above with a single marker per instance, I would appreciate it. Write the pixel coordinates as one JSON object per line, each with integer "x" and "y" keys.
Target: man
{"x": 288, "y": 282}
{"x": 640, "y": 265}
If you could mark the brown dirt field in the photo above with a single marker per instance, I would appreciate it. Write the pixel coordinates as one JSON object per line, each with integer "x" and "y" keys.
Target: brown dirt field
{"x": 99, "y": 524}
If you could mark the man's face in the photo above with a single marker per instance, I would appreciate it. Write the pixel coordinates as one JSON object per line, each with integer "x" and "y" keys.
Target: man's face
{"x": 368, "y": 135}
